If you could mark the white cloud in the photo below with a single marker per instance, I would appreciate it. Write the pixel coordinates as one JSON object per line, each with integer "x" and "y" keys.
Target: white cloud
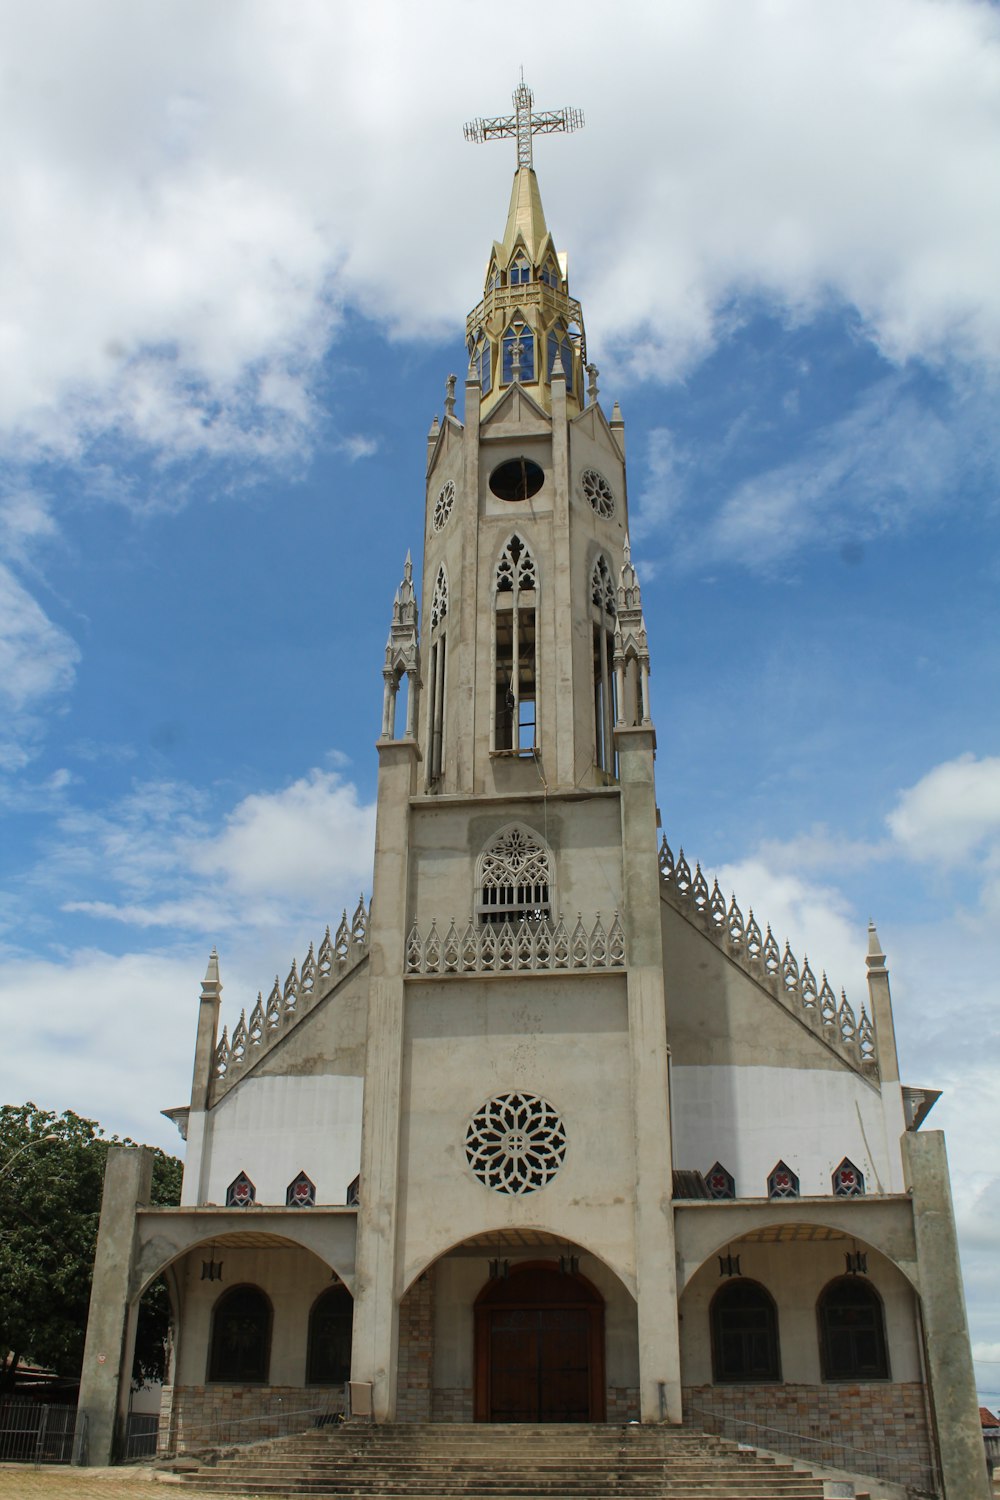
{"x": 312, "y": 838}
{"x": 898, "y": 456}
{"x": 358, "y": 446}
{"x": 194, "y": 193}
{"x": 161, "y": 858}
{"x": 951, "y": 814}
{"x": 113, "y": 1038}
{"x": 37, "y": 659}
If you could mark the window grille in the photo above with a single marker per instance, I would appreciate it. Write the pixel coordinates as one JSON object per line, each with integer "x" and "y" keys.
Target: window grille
{"x": 744, "y": 1324}
{"x": 301, "y": 1193}
{"x": 515, "y": 673}
{"x": 848, "y": 1182}
{"x": 852, "y": 1331}
{"x": 514, "y": 879}
{"x": 782, "y": 1182}
{"x": 240, "y": 1351}
{"x": 241, "y": 1192}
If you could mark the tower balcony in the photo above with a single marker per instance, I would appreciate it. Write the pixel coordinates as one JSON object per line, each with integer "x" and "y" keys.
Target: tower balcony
{"x": 532, "y": 945}
{"x": 501, "y": 301}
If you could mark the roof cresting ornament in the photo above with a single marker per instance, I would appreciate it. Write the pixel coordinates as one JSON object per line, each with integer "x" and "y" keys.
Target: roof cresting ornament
{"x": 524, "y": 124}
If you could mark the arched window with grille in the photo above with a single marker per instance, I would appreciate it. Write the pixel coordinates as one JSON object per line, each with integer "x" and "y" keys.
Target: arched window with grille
{"x": 515, "y": 666}
{"x": 744, "y": 1324}
{"x": 603, "y": 608}
{"x": 852, "y": 1331}
{"x": 240, "y": 1345}
{"x": 436, "y": 695}
{"x": 331, "y": 1324}
{"x": 514, "y": 878}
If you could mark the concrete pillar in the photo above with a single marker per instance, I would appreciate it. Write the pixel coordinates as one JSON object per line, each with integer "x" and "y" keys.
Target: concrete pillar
{"x": 656, "y": 1277}
{"x": 194, "y": 1187}
{"x": 376, "y": 1306}
{"x": 560, "y": 754}
{"x": 110, "y": 1345}
{"x": 947, "y": 1352}
{"x": 468, "y": 716}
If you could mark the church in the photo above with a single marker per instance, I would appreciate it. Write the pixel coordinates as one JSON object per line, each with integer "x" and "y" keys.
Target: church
{"x": 550, "y": 1130}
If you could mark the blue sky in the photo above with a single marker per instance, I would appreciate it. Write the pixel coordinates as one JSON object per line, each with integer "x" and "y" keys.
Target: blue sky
{"x": 239, "y": 246}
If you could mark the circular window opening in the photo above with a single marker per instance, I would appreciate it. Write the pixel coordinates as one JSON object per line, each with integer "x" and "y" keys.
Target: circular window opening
{"x": 517, "y": 479}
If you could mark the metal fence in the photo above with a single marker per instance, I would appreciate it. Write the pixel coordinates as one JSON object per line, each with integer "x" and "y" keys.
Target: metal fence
{"x": 32, "y": 1432}
{"x": 140, "y": 1435}
{"x": 919, "y": 1478}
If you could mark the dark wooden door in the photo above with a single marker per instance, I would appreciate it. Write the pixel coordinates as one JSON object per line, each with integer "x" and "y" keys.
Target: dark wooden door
{"x": 537, "y": 1361}
{"x": 540, "y": 1365}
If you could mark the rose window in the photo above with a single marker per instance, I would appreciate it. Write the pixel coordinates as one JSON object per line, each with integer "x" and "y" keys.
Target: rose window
{"x": 443, "y": 504}
{"x": 599, "y": 492}
{"x": 515, "y": 1143}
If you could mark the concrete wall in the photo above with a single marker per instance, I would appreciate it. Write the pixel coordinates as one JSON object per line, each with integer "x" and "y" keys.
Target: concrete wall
{"x": 559, "y": 1036}
{"x": 736, "y": 1051}
{"x": 274, "y": 1128}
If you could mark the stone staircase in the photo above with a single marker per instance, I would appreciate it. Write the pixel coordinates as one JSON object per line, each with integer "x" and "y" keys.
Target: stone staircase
{"x": 499, "y": 1462}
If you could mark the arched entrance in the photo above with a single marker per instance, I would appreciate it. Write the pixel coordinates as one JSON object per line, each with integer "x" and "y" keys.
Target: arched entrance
{"x": 539, "y": 1347}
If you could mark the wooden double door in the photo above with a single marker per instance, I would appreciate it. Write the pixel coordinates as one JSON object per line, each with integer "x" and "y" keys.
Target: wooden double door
{"x": 539, "y": 1348}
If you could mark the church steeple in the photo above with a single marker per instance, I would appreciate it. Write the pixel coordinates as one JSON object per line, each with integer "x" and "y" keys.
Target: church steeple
{"x": 527, "y": 323}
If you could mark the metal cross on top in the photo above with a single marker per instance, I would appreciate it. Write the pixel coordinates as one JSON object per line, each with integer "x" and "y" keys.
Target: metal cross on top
{"x": 524, "y": 124}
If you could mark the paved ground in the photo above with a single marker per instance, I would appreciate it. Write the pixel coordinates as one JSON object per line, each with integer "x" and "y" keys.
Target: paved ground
{"x": 22, "y": 1482}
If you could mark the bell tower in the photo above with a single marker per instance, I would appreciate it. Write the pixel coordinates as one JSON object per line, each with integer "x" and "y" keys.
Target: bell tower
{"x": 515, "y": 932}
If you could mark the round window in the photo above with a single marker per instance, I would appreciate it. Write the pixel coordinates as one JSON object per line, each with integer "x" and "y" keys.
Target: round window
{"x": 517, "y": 479}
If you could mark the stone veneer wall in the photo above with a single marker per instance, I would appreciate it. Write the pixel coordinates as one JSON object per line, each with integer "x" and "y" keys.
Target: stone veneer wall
{"x": 452, "y": 1405}
{"x": 194, "y": 1417}
{"x": 623, "y": 1403}
{"x": 416, "y": 1351}
{"x": 879, "y": 1429}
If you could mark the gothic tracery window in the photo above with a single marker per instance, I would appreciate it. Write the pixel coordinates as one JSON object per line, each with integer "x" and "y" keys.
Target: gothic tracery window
{"x": 241, "y": 1192}
{"x": 559, "y": 344}
{"x": 782, "y": 1182}
{"x": 518, "y": 352}
{"x": 436, "y": 695}
{"x": 519, "y": 271}
{"x": 301, "y": 1192}
{"x": 514, "y": 878}
{"x": 240, "y": 1347}
{"x": 603, "y": 600}
{"x": 848, "y": 1182}
{"x": 481, "y": 360}
{"x": 515, "y": 671}
{"x": 720, "y": 1183}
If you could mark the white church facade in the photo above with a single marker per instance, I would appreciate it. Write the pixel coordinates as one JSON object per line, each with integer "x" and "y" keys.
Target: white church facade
{"x": 551, "y": 1131}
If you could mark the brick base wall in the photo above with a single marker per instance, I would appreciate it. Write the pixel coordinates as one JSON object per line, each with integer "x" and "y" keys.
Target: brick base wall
{"x": 623, "y": 1403}
{"x": 196, "y": 1417}
{"x": 879, "y": 1429}
{"x": 416, "y": 1351}
{"x": 451, "y": 1405}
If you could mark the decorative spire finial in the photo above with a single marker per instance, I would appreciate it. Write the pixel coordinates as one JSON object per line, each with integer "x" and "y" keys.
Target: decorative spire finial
{"x": 592, "y": 374}
{"x": 524, "y": 124}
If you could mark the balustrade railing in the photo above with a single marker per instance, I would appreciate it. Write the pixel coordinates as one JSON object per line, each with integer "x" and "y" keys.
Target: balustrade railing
{"x": 530, "y": 945}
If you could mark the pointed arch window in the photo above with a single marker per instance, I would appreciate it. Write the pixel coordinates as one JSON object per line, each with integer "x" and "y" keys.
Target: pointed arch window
{"x": 241, "y": 1192}
{"x": 515, "y": 667}
{"x": 782, "y": 1182}
{"x": 240, "y": 1347}
{"x": 852, "y": 1331}
{"x": 331, "y": 1323}
{"x": 481, "y": 361}
{"x": 519, "y": 271}
{"x": 436, "y": 696}
{"x": 721, "y": 1184}
{"x": 848, "y": 1182}
{"x": 514, "y": 878}
{"x": 301, "y": 1192}
{"x": 550, "y": 274}
{"x": 518, "y": 353}
{"x": 559, "y": 346}
{"x": 493, "y": 278}
{"x": 603, "y": 599}
{"x": 744, "y": 1323}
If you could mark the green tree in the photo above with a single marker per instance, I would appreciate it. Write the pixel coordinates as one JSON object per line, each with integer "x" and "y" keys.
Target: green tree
{"x": 50, "y": 1205}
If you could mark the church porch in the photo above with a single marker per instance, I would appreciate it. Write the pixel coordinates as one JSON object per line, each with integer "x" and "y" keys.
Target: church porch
{"x": 517, "y": 1327}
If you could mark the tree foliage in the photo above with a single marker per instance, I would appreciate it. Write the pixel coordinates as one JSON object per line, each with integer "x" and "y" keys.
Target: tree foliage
{"x": 50, "y": 1206}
